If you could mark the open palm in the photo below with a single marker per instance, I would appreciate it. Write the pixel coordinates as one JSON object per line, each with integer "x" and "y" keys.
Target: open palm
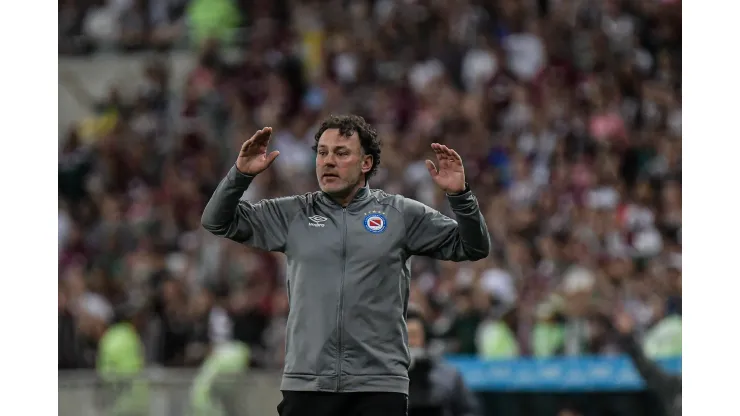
{"x": 253, "y": 157}
{"x": 448, "y": 174}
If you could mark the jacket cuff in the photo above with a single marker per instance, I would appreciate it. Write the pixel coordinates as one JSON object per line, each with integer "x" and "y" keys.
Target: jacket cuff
{"x": 239, "y": 179}
{"x": 463, "y": 199}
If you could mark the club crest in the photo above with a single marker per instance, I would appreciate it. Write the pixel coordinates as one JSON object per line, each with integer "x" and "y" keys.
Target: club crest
{"x": 375, "y": 222}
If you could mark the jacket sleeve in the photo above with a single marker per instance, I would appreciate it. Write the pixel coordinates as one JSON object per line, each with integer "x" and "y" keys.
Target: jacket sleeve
{"x": 656, "y": 378}
{"x": 262, "y": 225}
{"x": 430, "y": 233}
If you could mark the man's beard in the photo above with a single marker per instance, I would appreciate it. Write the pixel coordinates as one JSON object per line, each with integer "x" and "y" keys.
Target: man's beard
{"x": 344, "y": 191}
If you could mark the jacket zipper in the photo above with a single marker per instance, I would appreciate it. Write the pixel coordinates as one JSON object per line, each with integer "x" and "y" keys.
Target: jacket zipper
{"x": 340, "y": 323}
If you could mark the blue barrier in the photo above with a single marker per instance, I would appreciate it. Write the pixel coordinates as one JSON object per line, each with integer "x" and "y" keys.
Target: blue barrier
{"x": 562, "y": 374}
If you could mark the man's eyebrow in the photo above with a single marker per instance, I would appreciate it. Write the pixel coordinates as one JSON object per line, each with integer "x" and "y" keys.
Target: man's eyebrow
{"x": 337, "y": 147}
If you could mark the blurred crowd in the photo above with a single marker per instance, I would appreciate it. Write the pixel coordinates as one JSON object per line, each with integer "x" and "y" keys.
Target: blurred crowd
{"x": 567, "y": 114}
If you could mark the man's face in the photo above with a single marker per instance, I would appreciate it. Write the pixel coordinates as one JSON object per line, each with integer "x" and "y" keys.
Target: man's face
{"x": 340, "y": 163}
{"x": 416, "y": 333}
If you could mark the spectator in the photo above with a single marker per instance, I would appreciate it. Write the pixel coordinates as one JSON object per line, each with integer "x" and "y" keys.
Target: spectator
{"x": 667, "y": 386}
{"x": 496, "y": 340}
{"x": 213, "y": 19}
{"x": 663, "y": 339}
{"x": 568, "y": 116}
{"x": 548, "y": 332}
{"x": 70, "y": 344}
{"x": 121, "y": 360}
{"x": 215, "y": 391}
{"x": 435, "y": 387}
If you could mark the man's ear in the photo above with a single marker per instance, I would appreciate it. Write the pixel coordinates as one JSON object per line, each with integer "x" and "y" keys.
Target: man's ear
{"x": 367, "y": 163}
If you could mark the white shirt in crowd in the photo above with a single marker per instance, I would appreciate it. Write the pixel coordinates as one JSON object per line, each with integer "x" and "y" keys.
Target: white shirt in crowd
{"x": 479, "y": 65}
{"x": 526, "y": 54}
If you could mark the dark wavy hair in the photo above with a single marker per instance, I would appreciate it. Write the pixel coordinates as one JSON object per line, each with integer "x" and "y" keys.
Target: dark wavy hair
{"x": 348, "y": 125}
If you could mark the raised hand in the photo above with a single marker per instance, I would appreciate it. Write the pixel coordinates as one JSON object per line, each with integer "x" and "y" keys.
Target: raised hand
{"x": 253, "y": 157}
{"x": 450, "y": 176}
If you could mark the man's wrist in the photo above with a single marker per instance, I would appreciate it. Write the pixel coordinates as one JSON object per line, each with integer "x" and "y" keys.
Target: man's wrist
{"x": 239, "y": 178}
{"x": 465, "y": 189}
{"x": 242, "y": 173}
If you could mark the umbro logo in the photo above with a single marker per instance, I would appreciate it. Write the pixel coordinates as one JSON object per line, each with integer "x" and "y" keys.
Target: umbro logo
{"x": 317, "y": 221}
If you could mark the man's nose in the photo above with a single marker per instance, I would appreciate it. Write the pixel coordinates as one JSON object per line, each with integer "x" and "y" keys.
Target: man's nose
{"x": 329, "y": 161}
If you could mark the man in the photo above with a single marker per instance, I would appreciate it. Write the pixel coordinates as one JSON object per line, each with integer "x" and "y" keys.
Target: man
{"x": 121, "y": 363}
{"x": 214, "y": 391}
{"x": 347, "y": 250}
{"x": 436, "y": 388}
{"x": 668, "y": 387}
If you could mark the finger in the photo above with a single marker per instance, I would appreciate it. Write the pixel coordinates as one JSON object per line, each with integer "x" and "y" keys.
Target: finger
{"x": 451, "y": 154}
{"x": 254, "y": 142}
{"x": 271, "y": 157}
{"x": 449, "y": 158}
{"x": 246, "y": 145}
{"x": 444, "y": 160}
{"x": 432, "y": 169}
{"x": 454, "y": 155}
{"x": 438, "y": 151}
{"x": 259, "y": 139}
{"x": 263, "y": 136}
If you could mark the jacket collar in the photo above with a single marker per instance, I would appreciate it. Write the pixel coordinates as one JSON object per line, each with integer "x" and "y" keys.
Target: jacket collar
{"x": 361, "y": 195}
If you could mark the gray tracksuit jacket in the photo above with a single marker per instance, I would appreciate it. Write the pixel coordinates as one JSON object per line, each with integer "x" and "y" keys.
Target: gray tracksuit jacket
{"x": 348, "y": 275}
